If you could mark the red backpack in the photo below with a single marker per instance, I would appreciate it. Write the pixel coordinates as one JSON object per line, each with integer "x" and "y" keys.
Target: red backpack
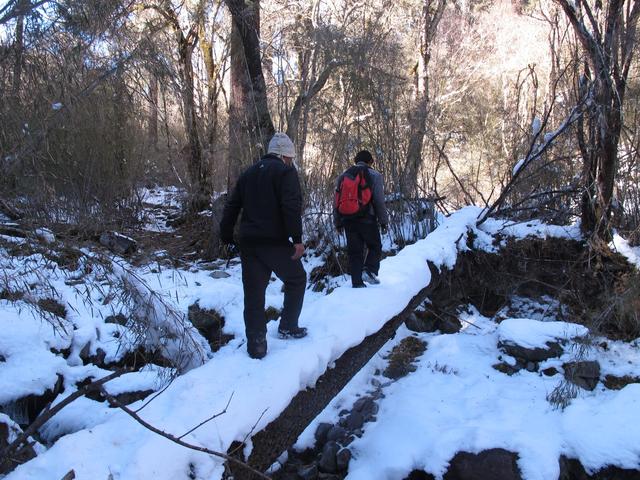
{"x": 353, "y": 194}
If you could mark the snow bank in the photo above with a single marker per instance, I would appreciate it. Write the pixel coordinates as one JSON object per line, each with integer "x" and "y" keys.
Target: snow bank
{"x": 456, "y": 401}
{"x": 259, "y": 390}
{"x": 534, "y": 334}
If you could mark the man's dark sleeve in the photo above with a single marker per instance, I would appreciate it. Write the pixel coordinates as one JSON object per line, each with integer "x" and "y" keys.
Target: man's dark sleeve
{"x": 230, "y": 214}
{"x": 291, "y": 204}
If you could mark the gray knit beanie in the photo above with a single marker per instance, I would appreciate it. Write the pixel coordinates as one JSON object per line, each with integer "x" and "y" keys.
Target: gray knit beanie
{"x": 282, "y": 145}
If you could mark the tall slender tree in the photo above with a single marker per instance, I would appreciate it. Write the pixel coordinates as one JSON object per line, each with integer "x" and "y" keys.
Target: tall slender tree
{"x": 250, "y": 123}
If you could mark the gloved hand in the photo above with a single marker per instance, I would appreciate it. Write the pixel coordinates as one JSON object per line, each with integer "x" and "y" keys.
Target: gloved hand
{"x": 384, "y": 228}
{"x": 231, "y": 249}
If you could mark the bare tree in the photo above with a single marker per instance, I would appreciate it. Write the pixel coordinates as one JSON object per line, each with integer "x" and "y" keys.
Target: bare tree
{"x": 250, "y": 124}
{"x": 432, "y": 11}
{"x": 608, "y": 38}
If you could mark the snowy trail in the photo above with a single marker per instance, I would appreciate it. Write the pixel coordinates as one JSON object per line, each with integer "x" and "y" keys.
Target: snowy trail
{"x": 121, "y": 449}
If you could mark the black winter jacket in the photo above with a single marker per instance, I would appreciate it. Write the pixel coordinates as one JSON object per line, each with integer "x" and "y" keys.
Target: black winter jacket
{"x": 268, "y": 193}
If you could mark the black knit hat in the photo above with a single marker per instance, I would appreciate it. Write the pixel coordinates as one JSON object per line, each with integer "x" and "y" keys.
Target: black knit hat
{"x": 363, "y": 156}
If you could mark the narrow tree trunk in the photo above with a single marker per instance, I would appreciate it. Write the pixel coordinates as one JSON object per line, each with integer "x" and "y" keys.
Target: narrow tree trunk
{"x": 19, "y": 49}
{"x": 432, "y": 12}
{"x": 153, "y": 111}
{"x": 198, "y": 171}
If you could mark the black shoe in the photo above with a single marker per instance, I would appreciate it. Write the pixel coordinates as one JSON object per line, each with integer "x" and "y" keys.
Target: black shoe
{"x": 298, "y": 332}
{"x": 257, "y": 348}
{"x": 370, "y": 278}
{"x": 358, "y": 285}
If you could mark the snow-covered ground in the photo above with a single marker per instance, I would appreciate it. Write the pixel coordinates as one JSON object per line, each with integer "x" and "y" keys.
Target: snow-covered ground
{"x": 455, "y": 401}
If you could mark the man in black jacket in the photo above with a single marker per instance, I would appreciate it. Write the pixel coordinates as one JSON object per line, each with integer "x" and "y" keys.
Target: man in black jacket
{"x": 269, "y": 195}
{"x": 362, "y": 230}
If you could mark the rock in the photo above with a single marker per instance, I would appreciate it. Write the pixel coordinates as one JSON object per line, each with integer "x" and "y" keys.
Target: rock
{"x": 219, "y": 274}
{"x": 531, "y": 367}
{"x": 505, "y": 368}
{"x": 118, "y": 243}
{"x": 336, "y": 433}
{"x": 494, "y": 464}
{"x": 449, "y": 324}
{"x": 342, "y": 459}
{"x": 366, "y": 406}
{"x": 420, "y": 323}
{"x": 321, "y": 433}
{"x": 419, "y": 475}
{"x": 328, "y": 460}
{"x": 208, "y": 322}
{"x": 119, "y": 319}
{"x": 308, "y": 472}
{"x": 532, "y": 354}
{"x": 127, "y": 398}
{"x": 354, "y": 421}
{"x": 572, "y": 469}
{"x": 550, "y": 372}
{"x": 610, "y": 381}
{"x": 329, "y": 476}
{"x": 347, "y": 441}
{"x": 584, "y": 374}
{"x": 53, "y": 306}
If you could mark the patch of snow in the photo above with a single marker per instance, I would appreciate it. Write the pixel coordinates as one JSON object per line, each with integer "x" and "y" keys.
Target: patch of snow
{"x": 46, "y": 235}
{"x": 531, "y": 228}
{"x": 456, "y": 401}
{"x": 517, "y": 166}
{"x": 632, "y": 254}
{"x": 536, "y": 125}
{"x": 535, "y": 334}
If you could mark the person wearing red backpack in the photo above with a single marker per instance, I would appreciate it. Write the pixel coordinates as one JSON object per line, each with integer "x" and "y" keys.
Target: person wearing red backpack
{"x": 359, "y": 208}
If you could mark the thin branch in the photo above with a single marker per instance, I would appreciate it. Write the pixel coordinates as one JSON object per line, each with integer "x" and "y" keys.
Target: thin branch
{"x": 49, "y": 412}
{"x": 114, "y": 402}
{"x": 208, "y": 419}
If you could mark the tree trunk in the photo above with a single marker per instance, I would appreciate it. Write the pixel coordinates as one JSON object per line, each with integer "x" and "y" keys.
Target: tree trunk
{"x": 198, "y": 171}
{"x": 213, "y": 87}
{"x": 153, "y": 111}
{"x": 608, "y": 56}
{"x": 18, "y": 47}
{"x": 250, "y": 124}
{"x": 432, "y": 12}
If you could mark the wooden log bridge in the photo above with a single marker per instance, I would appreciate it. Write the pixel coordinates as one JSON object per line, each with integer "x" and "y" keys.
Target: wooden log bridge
{"x": 282, "y": 433}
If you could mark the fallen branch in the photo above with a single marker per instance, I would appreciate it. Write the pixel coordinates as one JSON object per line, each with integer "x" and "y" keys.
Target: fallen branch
{"x": 49, "y": 412}
{"x": 535, "y": 152}
{"x": 115, "y": 403}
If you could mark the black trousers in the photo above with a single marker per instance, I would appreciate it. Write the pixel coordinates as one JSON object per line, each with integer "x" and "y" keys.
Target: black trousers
{"x": 258, "y": 262}
{"x": 359, "y": 235}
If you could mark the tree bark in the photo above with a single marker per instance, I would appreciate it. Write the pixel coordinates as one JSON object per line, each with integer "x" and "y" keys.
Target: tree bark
{"x": 153, "y": 111}
{"x": 432, "y": 12}
{"x": 23, "y": 6}
{"x": 250, "y": 124}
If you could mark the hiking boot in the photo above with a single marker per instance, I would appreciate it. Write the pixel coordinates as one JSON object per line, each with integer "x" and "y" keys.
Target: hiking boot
{"x": 358, "y": 285}
{"x": 370, "y": 278}
{"x": 257, "y": 348}
{"x": 298, "y": 332}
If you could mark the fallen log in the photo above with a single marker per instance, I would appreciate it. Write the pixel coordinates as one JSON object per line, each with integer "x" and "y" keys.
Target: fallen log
{"x": 282, "y": 433}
